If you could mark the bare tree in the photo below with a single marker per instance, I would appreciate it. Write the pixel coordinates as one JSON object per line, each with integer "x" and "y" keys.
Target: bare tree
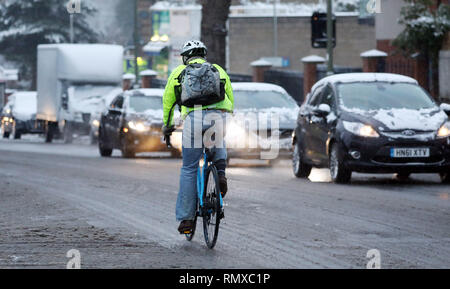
{"x": 214, "y": 29}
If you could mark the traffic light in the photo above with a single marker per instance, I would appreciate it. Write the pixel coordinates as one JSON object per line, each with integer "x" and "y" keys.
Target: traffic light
{"x": 319, "y": 30}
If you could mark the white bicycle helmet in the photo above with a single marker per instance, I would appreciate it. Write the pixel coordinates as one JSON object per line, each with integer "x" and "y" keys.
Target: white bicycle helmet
{"x": 193, "y": 48}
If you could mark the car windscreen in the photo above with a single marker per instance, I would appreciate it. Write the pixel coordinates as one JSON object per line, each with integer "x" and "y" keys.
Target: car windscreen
{"x": 84, "y": 92}
{"x": 383, "y": 95}
{"x": 249, "y": 99}
{"x": 141, "y": 103}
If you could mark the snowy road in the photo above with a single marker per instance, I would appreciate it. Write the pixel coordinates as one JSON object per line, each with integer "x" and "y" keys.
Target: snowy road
{"x": 120, "y": 213}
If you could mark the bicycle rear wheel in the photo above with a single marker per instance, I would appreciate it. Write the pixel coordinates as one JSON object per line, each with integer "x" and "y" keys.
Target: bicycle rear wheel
{"x": 211, "y": 207}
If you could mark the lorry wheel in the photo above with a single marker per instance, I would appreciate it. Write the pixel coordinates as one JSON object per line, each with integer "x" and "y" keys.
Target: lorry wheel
{"x": 6, "y": 134}
{"x": 49, "y": 133}
{"x": 16, "y": 134}
{"x": 48, "y": 137}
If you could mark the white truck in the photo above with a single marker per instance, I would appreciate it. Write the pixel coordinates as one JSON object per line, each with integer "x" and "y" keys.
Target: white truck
{"x": 71, "y": 81}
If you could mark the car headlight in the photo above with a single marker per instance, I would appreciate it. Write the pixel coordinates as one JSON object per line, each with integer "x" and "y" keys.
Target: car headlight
{"x": 360, "y": 129}
{"x": 96, "y": 123}
{"x": 444, "y": 131}
{"x": 235, "y": 132}
{"x": 138, "y": 126}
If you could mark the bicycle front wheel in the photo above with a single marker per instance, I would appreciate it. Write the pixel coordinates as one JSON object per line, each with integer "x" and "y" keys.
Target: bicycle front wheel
{"x": 211, "y": 207}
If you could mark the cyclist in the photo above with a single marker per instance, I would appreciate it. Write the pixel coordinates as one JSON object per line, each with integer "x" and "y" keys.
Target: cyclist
{"x": 193, "y": 53}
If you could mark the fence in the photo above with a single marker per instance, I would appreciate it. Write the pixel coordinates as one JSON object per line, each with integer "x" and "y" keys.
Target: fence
{"x": 291, "y": 81}
{"x": 322, "y": 70}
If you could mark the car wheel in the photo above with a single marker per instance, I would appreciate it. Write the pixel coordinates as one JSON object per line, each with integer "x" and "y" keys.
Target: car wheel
{"x": 445, "y": 178}
{"x": 103, "y": 149}
{"x": 339, "y": 173}
{"x": 300, "y": 169}
{"x": 104, "y": 152}
{"x": 6, "y": 134}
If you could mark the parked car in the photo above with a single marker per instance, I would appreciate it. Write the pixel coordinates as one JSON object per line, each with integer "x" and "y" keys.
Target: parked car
{"x": 252, "y": 101}
{"x": 133, "y": 123}
{"x": 371, "y": 123}
{"x": 19, "y": 115}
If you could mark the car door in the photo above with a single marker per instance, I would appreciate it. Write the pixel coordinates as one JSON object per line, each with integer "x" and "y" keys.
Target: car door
{"x": 113, "y": 120}
{"x": 321, "y": 126}
{"x": 306, "y": 117}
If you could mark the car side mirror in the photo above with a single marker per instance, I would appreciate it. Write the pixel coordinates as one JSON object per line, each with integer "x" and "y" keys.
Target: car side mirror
{"x": 445, "y": 107}
{"x": 322, "y": 110}
{"x": 114, "y": 111}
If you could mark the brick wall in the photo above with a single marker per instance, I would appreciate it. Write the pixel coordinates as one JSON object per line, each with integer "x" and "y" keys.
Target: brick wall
{"x": 252, "y": 37}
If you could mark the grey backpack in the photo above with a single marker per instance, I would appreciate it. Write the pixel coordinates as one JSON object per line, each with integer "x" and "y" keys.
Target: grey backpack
{"x": 200, "y": 85}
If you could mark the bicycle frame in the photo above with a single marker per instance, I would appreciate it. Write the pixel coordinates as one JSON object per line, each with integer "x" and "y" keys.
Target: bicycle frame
{"x": 201, "y": 173}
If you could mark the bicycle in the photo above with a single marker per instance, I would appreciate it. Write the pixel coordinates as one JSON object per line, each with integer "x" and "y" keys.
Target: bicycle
{"x": 209, "y": 199}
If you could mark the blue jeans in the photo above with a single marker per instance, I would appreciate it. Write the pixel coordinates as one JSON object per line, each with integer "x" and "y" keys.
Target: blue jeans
{"x": 195, "y": 123}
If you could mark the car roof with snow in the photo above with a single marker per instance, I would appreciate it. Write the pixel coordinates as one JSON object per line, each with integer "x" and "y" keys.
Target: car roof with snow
{"x": 257, "y": 86}
{"x": 146, "y": 91}
{"x": 364, "y": 77}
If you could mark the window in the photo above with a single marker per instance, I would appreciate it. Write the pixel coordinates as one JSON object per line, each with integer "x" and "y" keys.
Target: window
{"x": 315, "y": 97}
{"x": 327, "y": 97}
{"x": 117, "y": 103}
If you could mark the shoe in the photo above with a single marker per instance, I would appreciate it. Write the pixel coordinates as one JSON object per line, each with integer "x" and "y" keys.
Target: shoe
{"x": 223, "y": 185}
{"x": 185, "y": 227}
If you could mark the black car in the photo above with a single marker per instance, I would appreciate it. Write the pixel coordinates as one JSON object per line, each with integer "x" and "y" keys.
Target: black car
{"x": 371, "y": 123}
{"x": 133, "y": 123}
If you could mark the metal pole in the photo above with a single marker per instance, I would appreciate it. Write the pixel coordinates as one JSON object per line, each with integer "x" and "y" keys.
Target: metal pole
{"x": 330, "y": 69}
{"x": 275, "y": 29}
{"x": 136, "y": 41}
{"x": 71, "y": 28}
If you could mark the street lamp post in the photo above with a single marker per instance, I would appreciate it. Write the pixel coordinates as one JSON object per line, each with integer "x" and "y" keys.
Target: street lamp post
{"x": 71, "y": 27}
{"x": 136, "y": 41}
{"x": 330, "y": 69}
{"x": 275, "y": 29}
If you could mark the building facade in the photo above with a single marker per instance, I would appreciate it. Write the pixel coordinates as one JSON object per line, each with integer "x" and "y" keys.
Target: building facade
{"x": 251, "y": 38}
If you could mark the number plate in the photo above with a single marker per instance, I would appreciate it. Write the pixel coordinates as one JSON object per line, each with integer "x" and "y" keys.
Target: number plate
{"x": 410, "y": 152}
